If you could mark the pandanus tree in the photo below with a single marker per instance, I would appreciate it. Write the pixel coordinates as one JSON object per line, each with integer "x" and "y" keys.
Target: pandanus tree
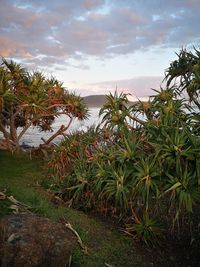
{"x": 116, "y": 113}
{"x": 186, "y": 71}
{"x": 31, "y": 99}
{"x": 145, "y": 167}
{"x": 185, "y": 74}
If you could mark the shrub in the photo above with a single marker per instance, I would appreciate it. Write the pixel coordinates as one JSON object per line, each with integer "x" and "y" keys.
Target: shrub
{"x": 127, "y": 166}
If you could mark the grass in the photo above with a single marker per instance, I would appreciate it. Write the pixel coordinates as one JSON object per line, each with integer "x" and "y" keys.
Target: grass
{"x": 21, "y": 178}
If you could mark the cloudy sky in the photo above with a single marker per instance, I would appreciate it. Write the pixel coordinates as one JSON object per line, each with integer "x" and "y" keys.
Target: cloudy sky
{"x": 94, "y": 46}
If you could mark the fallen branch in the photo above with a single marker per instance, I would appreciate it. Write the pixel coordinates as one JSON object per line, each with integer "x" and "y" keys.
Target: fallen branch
{"x": 83, "y": 247}
{"x": 108, "y": 265}
{"x": 16, "y": 205}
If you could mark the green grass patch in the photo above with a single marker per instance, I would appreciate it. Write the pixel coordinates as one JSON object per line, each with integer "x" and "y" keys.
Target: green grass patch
{"x": 21, "y": 178}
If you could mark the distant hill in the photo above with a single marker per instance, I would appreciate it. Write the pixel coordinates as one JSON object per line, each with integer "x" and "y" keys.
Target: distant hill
{"x": 95, "y": 101}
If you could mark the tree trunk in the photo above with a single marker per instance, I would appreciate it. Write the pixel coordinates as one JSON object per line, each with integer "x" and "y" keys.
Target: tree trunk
{"x": 13, "y": 130}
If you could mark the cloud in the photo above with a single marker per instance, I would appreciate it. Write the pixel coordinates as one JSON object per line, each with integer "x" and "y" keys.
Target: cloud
{"x": 89, "y": 4}
{"x": 61, "y": 30}
{"x": 137, "y": 87}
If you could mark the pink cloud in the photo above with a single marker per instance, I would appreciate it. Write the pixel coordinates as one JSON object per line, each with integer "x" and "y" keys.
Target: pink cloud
{"x": 92, "y": 3}
{"x": 95, "y": 27}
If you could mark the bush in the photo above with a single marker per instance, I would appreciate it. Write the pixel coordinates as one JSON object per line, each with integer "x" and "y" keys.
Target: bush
{"x": 132, "y": 168}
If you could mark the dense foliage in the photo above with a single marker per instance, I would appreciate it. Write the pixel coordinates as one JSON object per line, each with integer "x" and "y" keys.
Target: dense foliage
{"x": 142, "y": 164}
{"x": 30, "y": 99}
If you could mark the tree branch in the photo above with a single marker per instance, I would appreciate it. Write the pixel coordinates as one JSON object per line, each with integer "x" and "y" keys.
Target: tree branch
{"x": 28, "y": 125}
{"x": 17, "y": 112}
{"x": 136, "y": 119}
{"x": 56, "y": 106}
{"x": 60, "y": 131}
{"x": 4, "y": 118}
{"x": 3, "y": 130}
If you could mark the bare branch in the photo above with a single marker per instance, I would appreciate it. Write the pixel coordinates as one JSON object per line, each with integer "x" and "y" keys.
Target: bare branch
{"x": 28, "y": 125}
{"x": 60, "y": 131}
{"x": 56, "y": 106}
{"x": 136, "y": 119}
{"x": 17, "y": 112}
{"x": 4, "y": 118}
{"x": 3, "y": 130}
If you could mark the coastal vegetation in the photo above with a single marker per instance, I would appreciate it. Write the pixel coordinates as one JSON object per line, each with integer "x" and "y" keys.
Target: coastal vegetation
{"x": 140, "y": 167}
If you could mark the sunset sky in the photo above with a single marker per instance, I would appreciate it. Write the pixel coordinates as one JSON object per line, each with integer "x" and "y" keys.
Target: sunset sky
{"x": 94, "y": 46}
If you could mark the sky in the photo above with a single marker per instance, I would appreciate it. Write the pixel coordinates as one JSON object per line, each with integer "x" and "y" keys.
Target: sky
{"x": 98, "y": 46}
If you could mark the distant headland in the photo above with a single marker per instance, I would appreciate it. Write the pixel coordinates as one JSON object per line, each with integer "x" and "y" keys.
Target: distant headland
{"x": 96, "y": 101}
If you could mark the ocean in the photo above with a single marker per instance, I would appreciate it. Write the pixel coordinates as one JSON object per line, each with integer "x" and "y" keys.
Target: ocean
{"x": 33, "y": 136}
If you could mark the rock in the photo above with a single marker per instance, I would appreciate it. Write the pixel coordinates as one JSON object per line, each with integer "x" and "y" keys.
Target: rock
{"x": 28, "y": 240}
{"x": 26, "y": 146}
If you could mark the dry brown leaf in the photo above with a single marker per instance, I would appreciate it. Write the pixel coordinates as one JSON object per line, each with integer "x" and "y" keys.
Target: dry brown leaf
{"x": 2, "y": 196}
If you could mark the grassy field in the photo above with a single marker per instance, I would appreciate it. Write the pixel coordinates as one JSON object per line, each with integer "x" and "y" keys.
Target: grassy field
{"x": 21, "y": 178}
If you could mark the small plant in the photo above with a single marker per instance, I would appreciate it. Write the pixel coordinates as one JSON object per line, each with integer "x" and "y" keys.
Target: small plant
{"x": 146, "y": 229}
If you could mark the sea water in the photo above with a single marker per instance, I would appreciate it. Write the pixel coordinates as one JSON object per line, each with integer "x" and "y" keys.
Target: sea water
{"x": 33, "y": 137}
